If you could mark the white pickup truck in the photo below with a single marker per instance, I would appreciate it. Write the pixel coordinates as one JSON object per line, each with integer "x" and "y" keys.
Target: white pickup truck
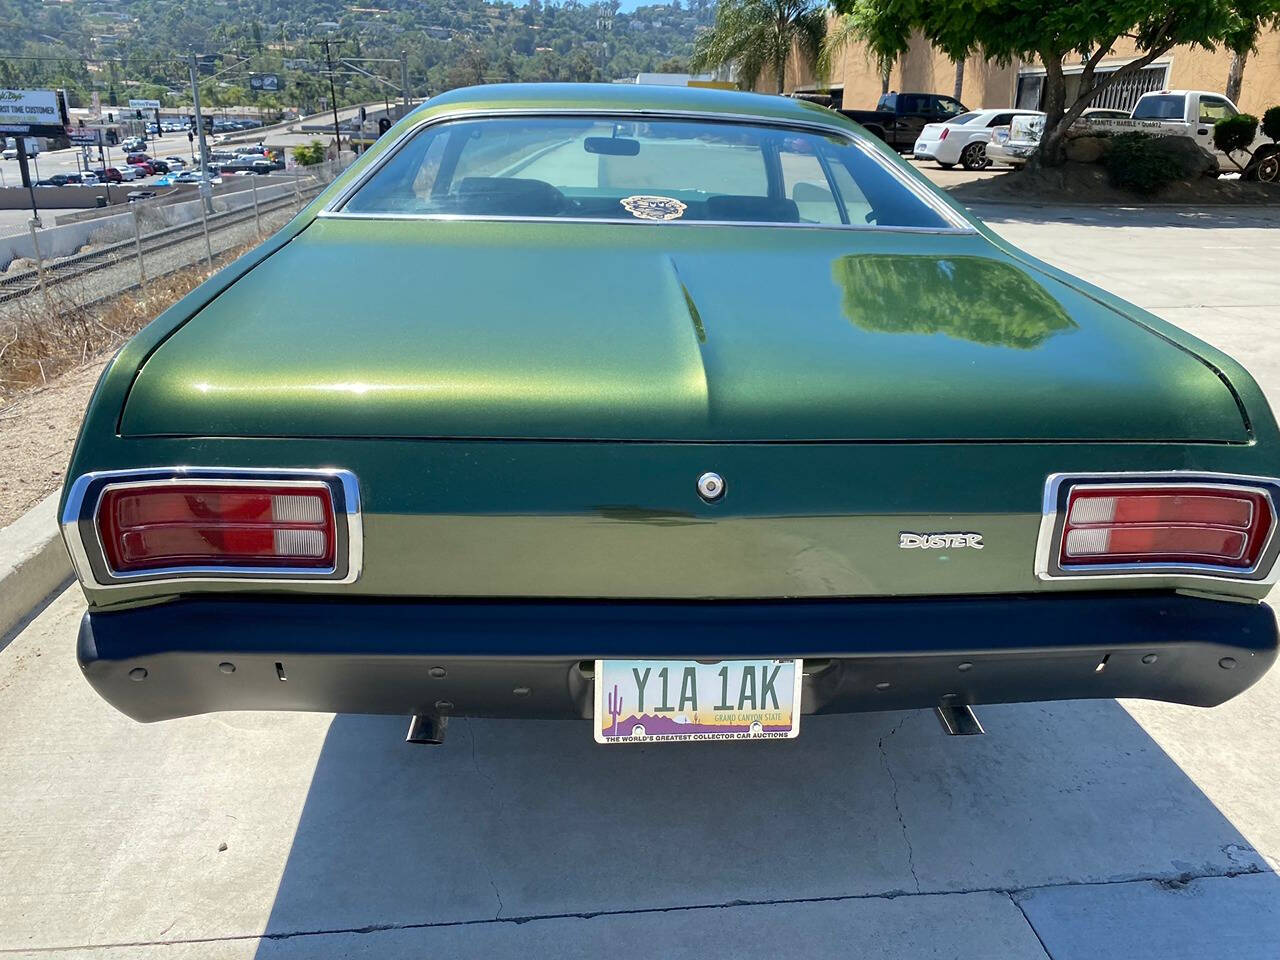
{"x": 1188, "y": 113}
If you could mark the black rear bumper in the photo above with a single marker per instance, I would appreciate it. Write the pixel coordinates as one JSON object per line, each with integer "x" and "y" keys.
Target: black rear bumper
{"x": 534, "y": 659}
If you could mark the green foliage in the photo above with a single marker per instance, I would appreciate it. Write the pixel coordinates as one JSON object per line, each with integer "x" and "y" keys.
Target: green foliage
{"x": 1271, "y": 123}
{"x": 1235, "y": 133}
{"x": 1078, "y": 30}
{"x": 1144, "y": 164}
{"x": 309, "y": 154}
{"x": 447, "y": 42}
{"x": 757, "y": 36}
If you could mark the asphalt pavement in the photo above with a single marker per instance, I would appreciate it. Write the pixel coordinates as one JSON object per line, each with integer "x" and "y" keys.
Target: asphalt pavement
{"x": 1071, "y": 831}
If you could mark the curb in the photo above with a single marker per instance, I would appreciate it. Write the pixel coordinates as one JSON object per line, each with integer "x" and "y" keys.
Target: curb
{"x": 33, "y": 563}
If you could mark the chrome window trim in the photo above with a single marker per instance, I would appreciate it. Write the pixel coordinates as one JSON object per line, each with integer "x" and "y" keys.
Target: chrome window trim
{"x": 958, "y": 224}
{"x": 1052, "y": 520}
{"x": 74, "y": 513}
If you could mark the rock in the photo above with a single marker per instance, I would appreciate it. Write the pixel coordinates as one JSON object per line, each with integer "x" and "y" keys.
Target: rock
{"x": 1190, "y": 160}
{"x": 1086, "y": 149}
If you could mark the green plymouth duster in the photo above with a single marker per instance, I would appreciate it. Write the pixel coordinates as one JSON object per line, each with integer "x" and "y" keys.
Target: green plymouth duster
{"x": 684, "y": 412}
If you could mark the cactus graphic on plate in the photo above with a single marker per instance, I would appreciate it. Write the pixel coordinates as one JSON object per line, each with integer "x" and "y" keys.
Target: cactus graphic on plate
{"x": 615, "y": 707}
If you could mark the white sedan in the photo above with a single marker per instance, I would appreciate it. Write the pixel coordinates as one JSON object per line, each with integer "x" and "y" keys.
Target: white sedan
{"x": 963, "y": 139}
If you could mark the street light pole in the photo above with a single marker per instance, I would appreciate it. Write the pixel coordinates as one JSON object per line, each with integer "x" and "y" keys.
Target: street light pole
{"x": 206, "y": 189}
{"x": 404, "y": 81}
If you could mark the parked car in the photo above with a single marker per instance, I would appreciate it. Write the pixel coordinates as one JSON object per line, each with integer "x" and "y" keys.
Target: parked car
{"x": 133, "y": 196}
{"x": 158, "y": 166}
{"x": 130, "y": 172}
{"x": 750, "y": 422}
{"x": 144, "y": 168}
{"x": 1014, "y": 144}
{"x": 175, "y": 163}
{"x": 109, "y": 175}
{"x": 963, "y": 140}
{"x": 137, "y": 157}
{"x": 899, "y": 117}
{"x": 1193, "y": 113}
{"x": 133, "y": 144}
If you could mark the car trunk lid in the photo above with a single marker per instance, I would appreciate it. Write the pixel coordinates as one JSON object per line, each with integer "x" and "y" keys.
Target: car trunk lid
{"x": 415, "y": 328}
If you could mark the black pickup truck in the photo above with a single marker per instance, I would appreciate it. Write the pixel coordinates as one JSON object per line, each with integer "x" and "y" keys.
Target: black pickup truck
{"x": 898, "y": 117}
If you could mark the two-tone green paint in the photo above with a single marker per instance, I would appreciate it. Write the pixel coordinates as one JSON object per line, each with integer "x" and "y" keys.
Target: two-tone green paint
{"x": 527, "y": 406}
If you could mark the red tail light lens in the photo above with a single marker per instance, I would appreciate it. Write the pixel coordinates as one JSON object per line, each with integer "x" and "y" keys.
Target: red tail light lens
{"x": 165, "y": 525}
{"x": 945, "y": 131}
{"x": 1165, "y": 524}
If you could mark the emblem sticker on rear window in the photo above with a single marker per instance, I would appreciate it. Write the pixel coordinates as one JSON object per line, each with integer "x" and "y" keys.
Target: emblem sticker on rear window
{"x": 654, "y": 208}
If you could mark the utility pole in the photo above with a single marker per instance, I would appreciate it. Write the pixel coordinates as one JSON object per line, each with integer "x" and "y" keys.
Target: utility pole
{"x": 333, "y": 95}
{"x": 206, "y": 189}
{"x": 404, "y": 80}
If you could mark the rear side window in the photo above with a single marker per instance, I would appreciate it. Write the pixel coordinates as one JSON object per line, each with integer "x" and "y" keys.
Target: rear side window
{"x": 657, "y": 171}
{"x": 1159, "y": 108}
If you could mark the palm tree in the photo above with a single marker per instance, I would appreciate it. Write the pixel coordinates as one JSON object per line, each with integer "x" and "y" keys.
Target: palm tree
{"x": 849, "y": 30}
{"x": 759, "y": 35}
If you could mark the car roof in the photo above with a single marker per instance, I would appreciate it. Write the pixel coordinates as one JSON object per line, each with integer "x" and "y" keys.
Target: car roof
{"x": 630, "y": 97}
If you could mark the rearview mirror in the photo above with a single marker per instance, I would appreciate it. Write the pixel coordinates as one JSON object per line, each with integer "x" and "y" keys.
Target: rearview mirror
{"x": 612, "y": 146}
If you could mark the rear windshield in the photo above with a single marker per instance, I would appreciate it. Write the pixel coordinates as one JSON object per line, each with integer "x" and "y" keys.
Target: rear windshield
{"x": 964, "y": 117}
{"x": 640, "y": 171}
{"x": 1160, "y": 108}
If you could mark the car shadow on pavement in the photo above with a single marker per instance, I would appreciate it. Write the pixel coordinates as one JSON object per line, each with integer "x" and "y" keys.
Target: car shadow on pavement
{"x": 514, "y": 820}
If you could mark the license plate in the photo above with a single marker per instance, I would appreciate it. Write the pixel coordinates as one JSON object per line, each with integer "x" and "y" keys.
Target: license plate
{"x": 640, "y": 701}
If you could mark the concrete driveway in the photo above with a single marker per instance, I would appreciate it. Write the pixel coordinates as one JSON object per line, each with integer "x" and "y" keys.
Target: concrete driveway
{"x": 1076, "y": 831}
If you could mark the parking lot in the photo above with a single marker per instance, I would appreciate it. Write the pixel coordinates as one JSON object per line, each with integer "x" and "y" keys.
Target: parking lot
{"x": 1073, "y": 831}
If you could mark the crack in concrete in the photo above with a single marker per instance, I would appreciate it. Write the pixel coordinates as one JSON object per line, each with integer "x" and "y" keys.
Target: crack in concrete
{"x": 1016, "y": 894}
{"x": 897, "y": 808}
{"x": 493, "y": 792}
{"x": 1036, "y": 933}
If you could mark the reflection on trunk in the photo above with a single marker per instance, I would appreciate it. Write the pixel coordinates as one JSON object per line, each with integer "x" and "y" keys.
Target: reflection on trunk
{"x": 967, "y": 298}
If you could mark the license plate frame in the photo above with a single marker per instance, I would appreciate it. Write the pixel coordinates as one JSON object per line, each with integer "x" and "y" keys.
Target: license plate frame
{"x": 661, "y": 711}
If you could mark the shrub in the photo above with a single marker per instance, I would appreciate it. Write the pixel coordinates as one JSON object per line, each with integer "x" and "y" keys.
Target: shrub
{"x": 1140, "y": 163}
{"x": 1232, "y": 134}
{"x": 1271, "y": 123}
{"x": 309, "y": 154}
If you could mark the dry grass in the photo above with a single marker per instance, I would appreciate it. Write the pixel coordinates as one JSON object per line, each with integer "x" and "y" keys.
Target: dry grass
{"x": 35, "y": 347}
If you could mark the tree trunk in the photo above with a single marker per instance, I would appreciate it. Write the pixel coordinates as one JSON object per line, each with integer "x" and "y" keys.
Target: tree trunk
{"x": 959, "y": 87}
{"x": 1054, "y": 105}
{"x": 782, "y": 75}
{"x": 1235, "y": 76}
{"x": 886, "y": 68}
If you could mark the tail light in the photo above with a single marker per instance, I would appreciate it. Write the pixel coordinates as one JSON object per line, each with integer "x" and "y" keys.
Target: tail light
{"x": 157, "y": 526}
{"x": 945, "y": 131}
{"x": 206, "y": 524}
{"x": 1222, "y": 528}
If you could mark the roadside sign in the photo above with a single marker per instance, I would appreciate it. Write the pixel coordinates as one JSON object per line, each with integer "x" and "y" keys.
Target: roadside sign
{"x": 266, "y": 82}
{"x": 85, "y": 136}
{"x": 145, "y": 104}
{"x": 36, "y": 113}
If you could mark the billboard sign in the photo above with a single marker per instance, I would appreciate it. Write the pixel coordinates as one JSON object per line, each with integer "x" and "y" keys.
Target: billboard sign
{"x": 38, "y": 113}
{"x": 265, "y": 82}
{"x": 85, "y": 136}
{"x": 145, "y": 104}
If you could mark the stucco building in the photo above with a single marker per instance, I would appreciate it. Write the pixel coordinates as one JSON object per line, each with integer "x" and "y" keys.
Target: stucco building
{"x": 856, "y": 83}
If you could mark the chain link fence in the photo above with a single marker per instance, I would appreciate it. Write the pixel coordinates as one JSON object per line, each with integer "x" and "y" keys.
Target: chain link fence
{"x": 69, "y": 291}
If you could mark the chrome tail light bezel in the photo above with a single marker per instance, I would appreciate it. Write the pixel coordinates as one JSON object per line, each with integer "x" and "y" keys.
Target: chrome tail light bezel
{"x": 88, "y": 558}
{"x": 1058, "y": 487}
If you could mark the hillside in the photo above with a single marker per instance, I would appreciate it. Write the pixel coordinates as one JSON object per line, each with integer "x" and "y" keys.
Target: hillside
{"x": 138, "y": 48}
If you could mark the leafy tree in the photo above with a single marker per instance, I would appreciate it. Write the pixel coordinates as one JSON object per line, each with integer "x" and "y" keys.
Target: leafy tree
{"x": 1271, "y": 123}
{"x": 309, "y": 154}
{"x": 759, "y": 35}
{"x": 1005, "y": 30}
{"x": 1232, "y": 135}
